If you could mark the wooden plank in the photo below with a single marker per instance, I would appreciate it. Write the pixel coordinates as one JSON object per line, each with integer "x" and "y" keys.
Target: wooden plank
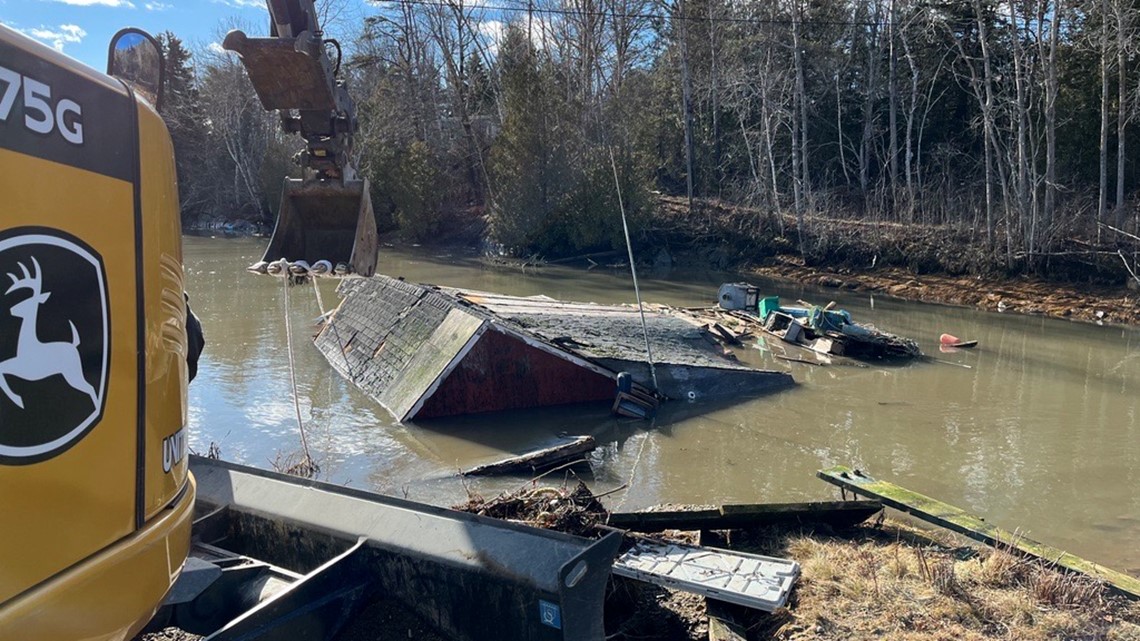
{"x": 958, "y": 520}
{"x": 726, "y": 335}
{"x": 722, "y": 626}
{"x": 798, "y": 360}
{"x": 545, "y": 305}
{"x": 538, "y": 459}
{"x": 730, "y": 517}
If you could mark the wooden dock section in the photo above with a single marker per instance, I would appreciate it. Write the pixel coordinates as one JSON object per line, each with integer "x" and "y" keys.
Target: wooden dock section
{"x": 958, "y": 520}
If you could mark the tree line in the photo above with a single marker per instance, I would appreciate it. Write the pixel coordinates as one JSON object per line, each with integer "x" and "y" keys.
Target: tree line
{"x": 1011, "y": 122}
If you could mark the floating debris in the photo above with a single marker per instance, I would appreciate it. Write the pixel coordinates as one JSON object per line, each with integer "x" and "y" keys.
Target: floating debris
{"x": 537, "y": 460}
{"x": 575, "y": 511}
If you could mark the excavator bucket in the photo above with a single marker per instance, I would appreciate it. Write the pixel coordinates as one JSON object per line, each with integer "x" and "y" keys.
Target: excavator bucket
{"x": 326, "y": 221}
{"x": 287, "y": 73}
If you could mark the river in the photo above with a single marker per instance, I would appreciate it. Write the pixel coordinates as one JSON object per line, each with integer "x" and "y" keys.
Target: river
{"x": 1035, "y": 430}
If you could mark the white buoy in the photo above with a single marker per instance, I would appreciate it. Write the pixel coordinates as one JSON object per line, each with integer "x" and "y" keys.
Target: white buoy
{"x": 277, "y": 267}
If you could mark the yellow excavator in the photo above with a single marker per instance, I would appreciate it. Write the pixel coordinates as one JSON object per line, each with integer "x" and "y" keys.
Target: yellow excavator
{"x": 94, "y": 482}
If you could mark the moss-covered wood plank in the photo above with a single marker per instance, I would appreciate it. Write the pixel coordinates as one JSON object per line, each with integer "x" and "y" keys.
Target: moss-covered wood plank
{"x": 836, "y": 514}
{"x": 958, "y": 520}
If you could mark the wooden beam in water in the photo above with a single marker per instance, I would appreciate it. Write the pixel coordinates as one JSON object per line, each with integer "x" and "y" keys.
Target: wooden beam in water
{"x": 538, "y": 459}
{"x": 960, "y": 521}
{"x": 837, "y": 514}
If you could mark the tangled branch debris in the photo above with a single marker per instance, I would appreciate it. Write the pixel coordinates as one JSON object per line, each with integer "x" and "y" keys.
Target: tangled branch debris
{"x": 574, "y": 511}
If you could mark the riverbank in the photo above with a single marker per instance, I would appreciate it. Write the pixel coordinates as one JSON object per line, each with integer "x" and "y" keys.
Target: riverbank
{"x": 924, "y": 263}
{"x": 895, "y": 582}
{"x": 1023, "y": 295}
{"x": 930, "y": 264}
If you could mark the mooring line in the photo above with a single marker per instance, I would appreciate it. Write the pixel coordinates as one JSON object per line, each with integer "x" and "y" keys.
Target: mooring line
{"x": 320, "y": 302}
{"x": 632, "y": 473}
{"x": 633, "y": 270}
{"x": 293, "y": 372}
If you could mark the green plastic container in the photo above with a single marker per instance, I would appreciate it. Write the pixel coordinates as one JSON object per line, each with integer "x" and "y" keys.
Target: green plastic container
{"x": 768, "y": 305}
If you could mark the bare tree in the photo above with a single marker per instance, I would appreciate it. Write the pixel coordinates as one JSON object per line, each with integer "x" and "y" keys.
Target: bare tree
{"x": 1126, "y": 19}
{"x": 681, "y": 16}
{"x": 239, "y": 127}
{"x": 800, "y": 185}
{"x": 1051, "y": 91}
{"x": 870, "y": 88}
{"x": 1105, "y": 56}
{"x": 451, "y": 26}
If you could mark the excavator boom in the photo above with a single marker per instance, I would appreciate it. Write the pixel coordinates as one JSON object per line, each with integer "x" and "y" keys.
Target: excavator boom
{"x": 327, "y": 214}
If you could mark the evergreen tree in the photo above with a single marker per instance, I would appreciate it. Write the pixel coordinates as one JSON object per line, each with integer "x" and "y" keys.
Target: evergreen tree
{"x": 529, "y": 162}
{"x": 182, "y": 112}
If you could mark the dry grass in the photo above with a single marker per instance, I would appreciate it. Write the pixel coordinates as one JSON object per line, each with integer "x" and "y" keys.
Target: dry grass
{"x": 895, "y": 582}
{"x": 888, "y": 581}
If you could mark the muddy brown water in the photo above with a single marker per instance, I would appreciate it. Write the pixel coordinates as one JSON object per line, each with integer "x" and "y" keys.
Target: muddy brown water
{"x": 1037, "y": 429}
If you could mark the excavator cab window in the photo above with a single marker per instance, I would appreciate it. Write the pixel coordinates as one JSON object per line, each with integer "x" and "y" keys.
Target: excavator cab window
{"x": 135, "y": 57}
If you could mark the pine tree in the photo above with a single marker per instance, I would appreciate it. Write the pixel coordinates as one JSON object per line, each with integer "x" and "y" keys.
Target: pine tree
{"x": 183, "y": 115}
{"x": 528, "y": 163}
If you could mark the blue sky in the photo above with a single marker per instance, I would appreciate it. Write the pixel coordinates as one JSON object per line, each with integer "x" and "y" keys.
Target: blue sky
{"x": 82, "y": 28}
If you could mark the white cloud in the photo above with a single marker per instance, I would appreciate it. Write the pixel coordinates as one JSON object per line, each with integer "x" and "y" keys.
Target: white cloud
{"x": 158, "y": 6}
{"x": 216, "y": 47}
{"x": 493, "y": 29}
{"x": 243, "y": 4}
{"x": 492, "y": 32}
{"x": 125, "y": 4}
{"x": 59, "y": 36}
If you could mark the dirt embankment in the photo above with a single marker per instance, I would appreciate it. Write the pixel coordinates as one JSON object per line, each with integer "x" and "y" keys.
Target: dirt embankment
{"x": 915, "y": 262}
{"x": 934, "y": 264}
{"x": 1023, "y": 295}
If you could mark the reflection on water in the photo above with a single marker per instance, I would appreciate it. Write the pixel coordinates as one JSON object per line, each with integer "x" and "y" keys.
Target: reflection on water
{"x": 1036, "y": 429}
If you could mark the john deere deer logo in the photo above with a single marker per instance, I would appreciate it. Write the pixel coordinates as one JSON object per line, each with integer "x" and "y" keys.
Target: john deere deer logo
{"x": 34, "y": 359}
{"x": 54, "y": 340}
